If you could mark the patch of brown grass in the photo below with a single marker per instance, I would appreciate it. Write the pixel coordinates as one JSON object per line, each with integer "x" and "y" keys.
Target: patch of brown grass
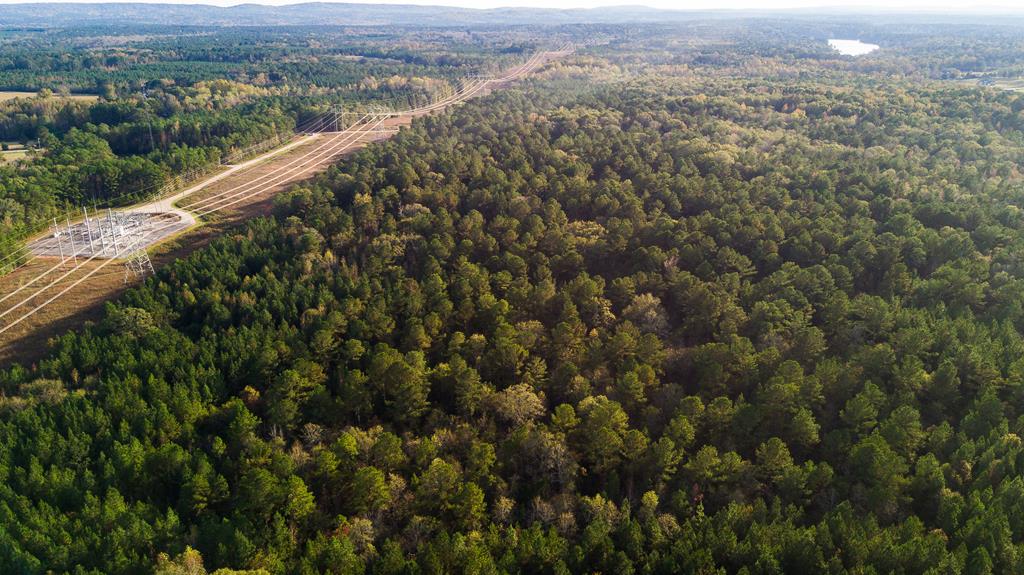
{"x": 27, "y": 342}
{"x": 12, "y": 94}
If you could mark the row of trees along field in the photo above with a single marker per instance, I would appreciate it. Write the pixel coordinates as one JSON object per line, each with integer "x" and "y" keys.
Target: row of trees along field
{"x": 104, "y": 59}
{"x": 668, "y": 324}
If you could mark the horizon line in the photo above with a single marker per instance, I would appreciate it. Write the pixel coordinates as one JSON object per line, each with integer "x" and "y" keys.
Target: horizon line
{"x": 858, "y": 8}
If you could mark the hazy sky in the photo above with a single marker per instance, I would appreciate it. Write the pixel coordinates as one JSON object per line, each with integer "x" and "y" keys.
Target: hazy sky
{"x": 929, "y": 5}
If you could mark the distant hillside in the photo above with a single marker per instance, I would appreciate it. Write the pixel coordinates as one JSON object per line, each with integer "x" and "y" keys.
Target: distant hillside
{"x": 64, "y": 15}
{"x": 68, "y": 14}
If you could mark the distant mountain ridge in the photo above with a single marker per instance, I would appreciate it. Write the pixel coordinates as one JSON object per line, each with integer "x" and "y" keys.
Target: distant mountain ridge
{"x": 68, "y": 15}
{"x": 323, "y": 13}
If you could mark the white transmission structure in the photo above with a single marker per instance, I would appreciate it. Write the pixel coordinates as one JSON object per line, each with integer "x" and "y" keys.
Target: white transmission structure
{"x": 114, "y": 235}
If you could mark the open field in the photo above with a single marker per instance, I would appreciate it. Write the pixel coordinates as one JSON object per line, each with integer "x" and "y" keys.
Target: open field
{"x": 12, "y": 94}
{"x": 1012, "y": 84}
{"x": 1015, "y": 85}
{"x": 80, "y": 305}
{"x": 11, "y": 155}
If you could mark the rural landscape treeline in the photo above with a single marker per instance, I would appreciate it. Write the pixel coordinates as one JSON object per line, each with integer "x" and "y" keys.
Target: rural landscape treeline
{"x": 177, "y": 107}
{"x": 703, "y": 297}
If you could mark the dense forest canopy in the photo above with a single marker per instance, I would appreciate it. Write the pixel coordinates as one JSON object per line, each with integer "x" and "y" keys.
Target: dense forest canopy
{"x": 678, "y": 305}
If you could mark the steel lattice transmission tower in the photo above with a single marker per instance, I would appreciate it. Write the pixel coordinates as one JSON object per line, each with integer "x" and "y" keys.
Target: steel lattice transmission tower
{"x": 136, "y": 258}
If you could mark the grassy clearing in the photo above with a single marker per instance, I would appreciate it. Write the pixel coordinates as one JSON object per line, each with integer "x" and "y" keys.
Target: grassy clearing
{"x": 14, "y": 151}
{"x": 11, "y": 94}
{"x": 27, "y": 342}
{"x": 1012, "y": 84}
{"x": 12, "y": 155}
{"x": 1015, "y": 85}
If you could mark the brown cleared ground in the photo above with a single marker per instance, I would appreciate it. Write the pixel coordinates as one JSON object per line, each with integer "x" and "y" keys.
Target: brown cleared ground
{"x": 267, "y": 183}
{"x": 15, "y": 151}
{"x": 12, "y": 155}
{"x": 26, "y": 342}
{"x": 11, "y": 94}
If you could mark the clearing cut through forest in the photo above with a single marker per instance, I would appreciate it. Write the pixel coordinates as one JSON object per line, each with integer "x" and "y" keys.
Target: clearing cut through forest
{"x": 57, "y": 289}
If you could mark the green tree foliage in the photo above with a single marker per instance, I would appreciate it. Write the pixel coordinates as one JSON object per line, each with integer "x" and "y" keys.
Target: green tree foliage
{"x": 682, "y": 322}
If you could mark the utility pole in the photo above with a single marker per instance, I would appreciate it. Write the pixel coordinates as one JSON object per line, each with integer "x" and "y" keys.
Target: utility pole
{"x": 71, "y": 236}
{"x": 88, "y": 231}
{"x": 137, "y": 262}
{"x": 60, "y": 245}
{"x": 113, "y": 232}
{"x": 103, "y": 236}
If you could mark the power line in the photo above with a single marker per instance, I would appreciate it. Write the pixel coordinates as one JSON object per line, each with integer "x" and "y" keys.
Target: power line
{"x": 137, "y": 259}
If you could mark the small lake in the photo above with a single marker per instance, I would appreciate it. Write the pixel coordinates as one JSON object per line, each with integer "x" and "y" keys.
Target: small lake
{"x": 852, "y": 47}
